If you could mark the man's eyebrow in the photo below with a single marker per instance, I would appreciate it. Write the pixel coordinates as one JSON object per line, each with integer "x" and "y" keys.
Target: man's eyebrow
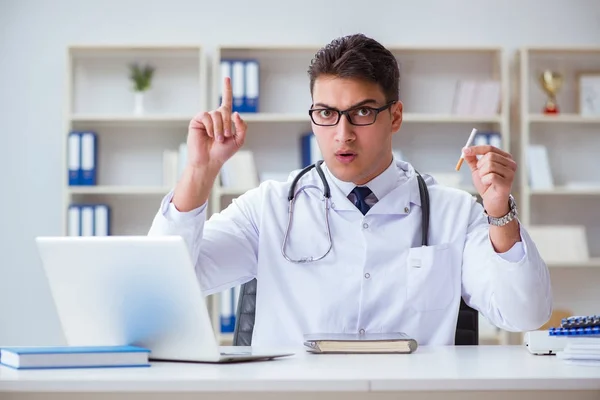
{"x": 360, "y": 103}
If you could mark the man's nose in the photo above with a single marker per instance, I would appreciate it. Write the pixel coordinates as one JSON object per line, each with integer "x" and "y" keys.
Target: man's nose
{"x": 344, "y": 129}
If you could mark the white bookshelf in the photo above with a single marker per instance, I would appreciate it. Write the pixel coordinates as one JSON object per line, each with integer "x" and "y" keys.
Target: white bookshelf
{"x": 572, "y": 142}
{"x": 99, "y": 98}
{"x": 431, "y": 136}
{"x": 130, "y": 147}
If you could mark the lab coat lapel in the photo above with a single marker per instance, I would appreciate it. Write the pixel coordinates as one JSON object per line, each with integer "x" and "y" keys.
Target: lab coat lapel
{"x": 395, "y": 202}
{"x": 400, "y": 200}
{"x": 339, "y": 201}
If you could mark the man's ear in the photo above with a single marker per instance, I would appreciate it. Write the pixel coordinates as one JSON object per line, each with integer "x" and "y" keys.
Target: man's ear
{"x": 397, "y": 116}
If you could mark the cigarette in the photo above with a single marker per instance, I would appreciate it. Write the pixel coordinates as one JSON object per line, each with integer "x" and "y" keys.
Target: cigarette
{"x": 469, "y": 143}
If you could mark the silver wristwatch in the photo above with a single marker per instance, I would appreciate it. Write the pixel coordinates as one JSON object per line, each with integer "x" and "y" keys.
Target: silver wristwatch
{"x": 501, "y": 221}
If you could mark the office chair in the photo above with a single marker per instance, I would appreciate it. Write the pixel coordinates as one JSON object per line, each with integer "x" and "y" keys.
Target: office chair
{"x": 467, "y": 328}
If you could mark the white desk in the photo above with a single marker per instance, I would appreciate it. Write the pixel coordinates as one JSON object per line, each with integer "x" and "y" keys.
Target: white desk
{"x": 443, "y": 372}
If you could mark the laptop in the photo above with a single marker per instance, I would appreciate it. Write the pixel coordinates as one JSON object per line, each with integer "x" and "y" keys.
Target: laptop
{"x": 135, "y": 290}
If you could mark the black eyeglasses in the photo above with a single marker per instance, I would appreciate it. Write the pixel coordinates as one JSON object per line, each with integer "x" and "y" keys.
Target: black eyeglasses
{"x": 359, "y": 116}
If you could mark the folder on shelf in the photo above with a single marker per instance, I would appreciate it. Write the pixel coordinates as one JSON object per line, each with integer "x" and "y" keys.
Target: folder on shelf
{"x": 310, "y": 149}
{"x": 227, "y": 314}
{"x": 495, "y": 139}
{"x": 88, "y": 220}
{"x": 74, "y": 158}
{"x": 540, "y": 173}
{"x": 101, "y": 220}
{"x": 477, "y": 97}
{"x": 88, "y": 158}
{"x": 182, "y": 159}
{"x": 170, "y": 168}
{"x": 252, "y": 79}
{"x": 239, "y": 172}
{"x": 225, "y": 71}
{"x": 492, "y": 138}
{"x": 74, "y": 221}
{"x": 560, "y": 243}
{"x": 238, "y": 85}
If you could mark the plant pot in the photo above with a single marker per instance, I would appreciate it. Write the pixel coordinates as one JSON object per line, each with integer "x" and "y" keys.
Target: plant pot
{"x": 138, "y": 103}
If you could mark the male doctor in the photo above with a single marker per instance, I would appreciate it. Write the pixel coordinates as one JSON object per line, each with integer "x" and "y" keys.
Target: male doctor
{"x": 377, "y": 277}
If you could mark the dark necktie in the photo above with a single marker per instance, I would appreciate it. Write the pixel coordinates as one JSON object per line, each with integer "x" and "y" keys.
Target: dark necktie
{"x": 361, "y": 193}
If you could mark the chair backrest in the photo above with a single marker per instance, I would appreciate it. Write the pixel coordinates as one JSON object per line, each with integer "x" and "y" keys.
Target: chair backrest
{"x": 467, "y": 328}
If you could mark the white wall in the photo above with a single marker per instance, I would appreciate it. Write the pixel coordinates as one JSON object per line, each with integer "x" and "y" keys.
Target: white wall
{"x": 34, "y": 34}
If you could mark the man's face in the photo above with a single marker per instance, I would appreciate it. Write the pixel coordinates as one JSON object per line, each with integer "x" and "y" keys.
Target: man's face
{"x": 354, "y": 153}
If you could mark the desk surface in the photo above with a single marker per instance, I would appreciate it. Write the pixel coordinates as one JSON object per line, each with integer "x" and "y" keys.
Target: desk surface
{"x": 428, "y": 369}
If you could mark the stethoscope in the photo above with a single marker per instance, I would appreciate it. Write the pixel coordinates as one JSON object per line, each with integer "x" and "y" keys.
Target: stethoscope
{"x": 423, "y": 193}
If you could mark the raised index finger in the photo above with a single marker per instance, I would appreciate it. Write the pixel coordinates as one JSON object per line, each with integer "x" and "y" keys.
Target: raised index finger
{"x": 227, "y": 100}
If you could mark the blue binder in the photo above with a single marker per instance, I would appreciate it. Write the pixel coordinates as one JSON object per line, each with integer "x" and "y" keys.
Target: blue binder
{"x": 238, "y": 85}
{"x": 89, "y": 220}
{"x": 74, "y": 158}
{"x": 310, "y": 152}
{"x": 589, "y": 331}
{"x": 584, "y": 325}
{"x": 245, "y": 83}
{"x": 252, "y": 86}
{"x": 88, "y": 158}
{"x": 227, "y": 314}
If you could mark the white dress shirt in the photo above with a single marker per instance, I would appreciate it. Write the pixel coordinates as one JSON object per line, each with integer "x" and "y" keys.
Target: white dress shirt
{"x": 377, "y": 276}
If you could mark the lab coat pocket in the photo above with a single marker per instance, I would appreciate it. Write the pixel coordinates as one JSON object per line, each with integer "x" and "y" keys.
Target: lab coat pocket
{"x": 429, "y": 271}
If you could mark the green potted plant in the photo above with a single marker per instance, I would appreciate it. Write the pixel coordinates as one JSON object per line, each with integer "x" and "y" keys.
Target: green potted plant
{"x": 141, "y": 77}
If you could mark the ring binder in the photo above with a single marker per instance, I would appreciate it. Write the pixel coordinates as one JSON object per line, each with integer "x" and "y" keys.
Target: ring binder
{"x": 580, "y": 321}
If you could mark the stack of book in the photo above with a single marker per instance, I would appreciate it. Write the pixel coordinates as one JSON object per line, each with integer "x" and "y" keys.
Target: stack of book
{"x": 583, "y": 343}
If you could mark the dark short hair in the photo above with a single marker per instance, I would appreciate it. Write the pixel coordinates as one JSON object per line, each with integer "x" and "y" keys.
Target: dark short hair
{"x": 360, "y": 57}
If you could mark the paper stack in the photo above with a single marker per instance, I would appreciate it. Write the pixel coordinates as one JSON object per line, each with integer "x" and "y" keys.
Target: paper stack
{"x": 583, "y": 351}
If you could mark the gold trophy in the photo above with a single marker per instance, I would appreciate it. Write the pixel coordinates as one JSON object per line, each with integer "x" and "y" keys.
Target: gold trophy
{"x": 551, "y": 82}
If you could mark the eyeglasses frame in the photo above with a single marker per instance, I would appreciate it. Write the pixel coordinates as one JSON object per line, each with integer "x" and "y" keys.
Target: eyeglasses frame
{"x": 347, "y": 111}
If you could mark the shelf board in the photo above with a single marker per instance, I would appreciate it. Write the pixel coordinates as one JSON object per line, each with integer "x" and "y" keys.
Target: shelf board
{"x": 124, "y": 190}
{"x": 275, "y": 117}
{"x": 408, "y": 117}
{"x": 567, "y": 191}
{"x": 131, "y": 119}
{"x": 558, "y": 49}
{"x": 593, "y": 262}
{"x": 267, "y": 117}
{"x": 444, "y": 49}
{"x": 425, "y": 117}
{"x": 564, "y": 119}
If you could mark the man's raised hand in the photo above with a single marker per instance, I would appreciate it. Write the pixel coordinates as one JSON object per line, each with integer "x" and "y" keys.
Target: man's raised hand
{"x": 212, "y": 139}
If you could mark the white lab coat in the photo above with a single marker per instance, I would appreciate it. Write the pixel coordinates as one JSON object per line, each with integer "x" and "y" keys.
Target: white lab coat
{"x": 370, "y": 281}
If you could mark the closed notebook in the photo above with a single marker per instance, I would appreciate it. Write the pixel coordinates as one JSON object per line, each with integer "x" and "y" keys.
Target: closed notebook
{"x": 395, "y": 342}
{"x": 74, "y": 357}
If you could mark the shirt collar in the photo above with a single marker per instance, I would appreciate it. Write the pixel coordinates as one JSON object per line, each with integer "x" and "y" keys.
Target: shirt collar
{"x": 381, "y": 185}
{"x": 398, "y": 176}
